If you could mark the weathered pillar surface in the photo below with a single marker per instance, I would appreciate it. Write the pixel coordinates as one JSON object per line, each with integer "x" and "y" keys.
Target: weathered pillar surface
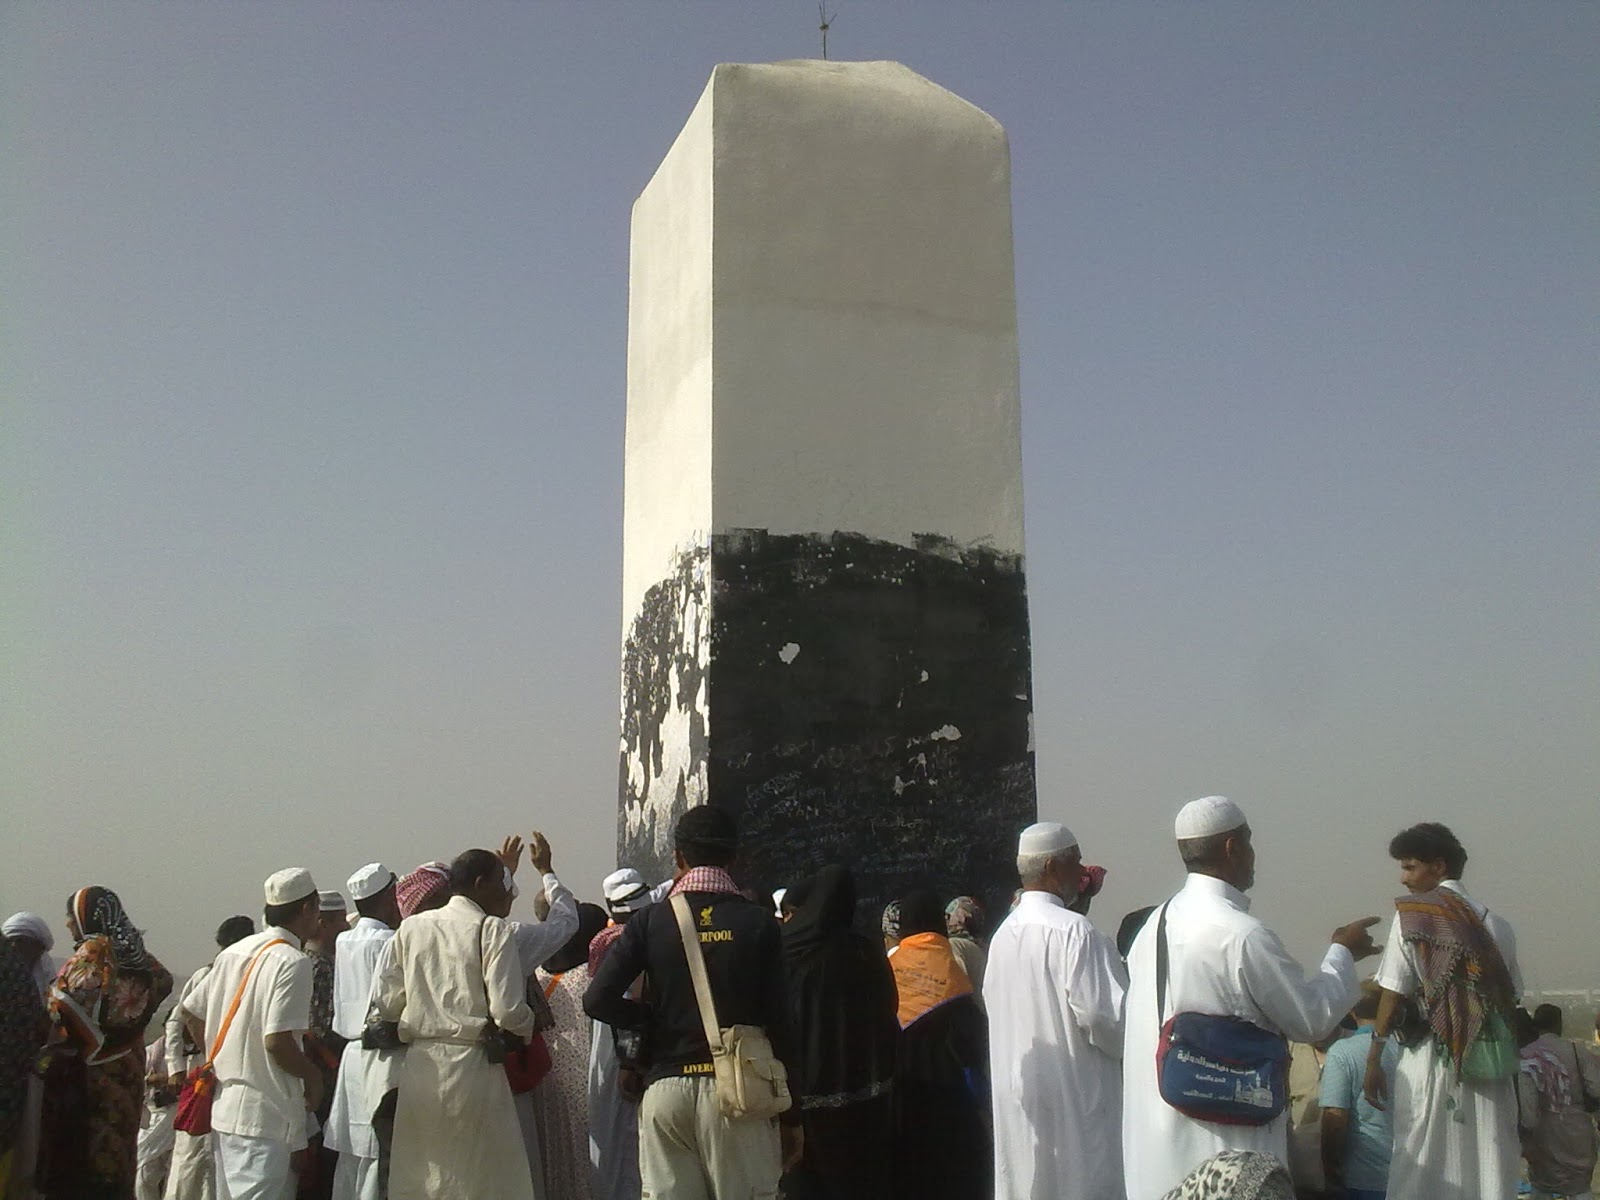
{"x": 825, "y": 621}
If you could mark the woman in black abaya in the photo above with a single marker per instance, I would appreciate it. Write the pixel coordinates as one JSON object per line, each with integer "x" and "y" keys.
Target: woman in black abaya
{"x": 842, "y": 1014}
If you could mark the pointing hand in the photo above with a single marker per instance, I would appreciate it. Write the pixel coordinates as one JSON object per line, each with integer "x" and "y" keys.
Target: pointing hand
{"x": 1356, "y": 937}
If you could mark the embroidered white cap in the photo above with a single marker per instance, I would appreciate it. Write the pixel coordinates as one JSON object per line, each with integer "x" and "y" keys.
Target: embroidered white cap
{"x": 331, "y": 901}
{"x": 369, "y": 881}
{"x": 624, "y": 890}
{"x": 288, "y": 885}
{"x": 1045, "y": 837}
{"x": 1207, "y": 816}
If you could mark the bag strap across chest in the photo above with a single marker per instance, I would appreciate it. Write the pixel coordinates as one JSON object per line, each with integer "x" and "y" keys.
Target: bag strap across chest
{"x": 238, "y": 997}
{"x": 1161, "y": 965}
{"x": 697, "y": 972}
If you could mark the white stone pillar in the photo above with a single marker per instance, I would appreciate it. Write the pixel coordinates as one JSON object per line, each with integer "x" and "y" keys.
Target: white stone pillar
{"x": 825, "y": 621}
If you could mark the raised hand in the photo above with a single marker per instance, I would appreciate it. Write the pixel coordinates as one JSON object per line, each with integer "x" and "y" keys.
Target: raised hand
{"x": 511, "y": 853}
{"x": 539, "y": 852}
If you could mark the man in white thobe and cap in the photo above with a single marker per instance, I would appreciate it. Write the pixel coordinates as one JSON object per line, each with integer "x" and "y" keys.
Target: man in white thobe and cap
{"x": 365, "y": 1075}
{"x": 1054, "y": 988}
{"x": 1224, "y": 962}
{"x": 264, "y": 1080}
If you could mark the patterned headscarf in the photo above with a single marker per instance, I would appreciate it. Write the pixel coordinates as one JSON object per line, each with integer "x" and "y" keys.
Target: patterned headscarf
{"x": 426, "y": 883}
{"x": 964, "y": 916}
{"x": 1235, "y": 1175}
{"x": 891, "y": 920}
{"x": 98, "y": 911}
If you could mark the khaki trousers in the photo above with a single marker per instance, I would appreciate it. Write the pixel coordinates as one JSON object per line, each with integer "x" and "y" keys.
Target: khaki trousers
{"x": 689, "y": 1151}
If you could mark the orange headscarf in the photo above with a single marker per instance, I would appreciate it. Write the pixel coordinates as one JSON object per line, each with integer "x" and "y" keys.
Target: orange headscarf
{"x": 926, "y": 974}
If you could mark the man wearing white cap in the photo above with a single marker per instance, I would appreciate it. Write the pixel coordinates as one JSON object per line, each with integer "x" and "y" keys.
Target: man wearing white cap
{"x": 1053, "y": 988}
{"x": 614, "y": 1117}
{"x": 265, "y": 1081}
{"x": 365, "y": 1076}
{"x": 1219, "y": 961}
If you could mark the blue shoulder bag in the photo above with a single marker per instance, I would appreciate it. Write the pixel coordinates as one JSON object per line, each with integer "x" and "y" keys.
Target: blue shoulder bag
{"x": 1224, "y": 1070}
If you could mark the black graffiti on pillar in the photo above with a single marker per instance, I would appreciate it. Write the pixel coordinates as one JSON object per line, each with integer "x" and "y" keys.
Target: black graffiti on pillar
{"x": 661, "y": 672}
{"x": 871, "y": 705}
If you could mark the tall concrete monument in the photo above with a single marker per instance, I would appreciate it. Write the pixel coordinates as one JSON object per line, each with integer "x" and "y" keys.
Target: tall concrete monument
{"x": 825, "y": 626}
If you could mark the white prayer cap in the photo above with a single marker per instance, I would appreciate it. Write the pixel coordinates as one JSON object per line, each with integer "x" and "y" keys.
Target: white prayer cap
{"x": 31, "y": 925}
{"x": 369, "y": 881}
{"x": 288, "y": 885}
{"x": 624, "y": 890}
{"x": 331, "y": 901}
{"x": 1046, "y": 837}
{"x": 1207, "y": 816}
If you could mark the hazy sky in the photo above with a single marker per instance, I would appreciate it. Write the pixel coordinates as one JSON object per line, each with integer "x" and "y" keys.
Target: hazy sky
{"x": 313, "y": 386}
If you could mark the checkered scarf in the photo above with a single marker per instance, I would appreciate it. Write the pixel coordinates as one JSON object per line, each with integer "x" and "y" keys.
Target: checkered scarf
{"x": 425, "y": 883}
{"x": 706, "y": 879}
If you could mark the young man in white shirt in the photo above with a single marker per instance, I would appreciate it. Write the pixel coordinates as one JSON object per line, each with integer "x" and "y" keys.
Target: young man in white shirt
{"x": 265, "y": 1081}
{"x": 1453, "y": 1135}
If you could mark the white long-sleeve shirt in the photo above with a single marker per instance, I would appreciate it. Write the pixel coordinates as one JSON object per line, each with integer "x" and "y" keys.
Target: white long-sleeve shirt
{"x": 1054, "y": 989}
{"x": 538, "y": 940}
{"x": 1225, "y": 962}
{"x": 180, "y": 1064}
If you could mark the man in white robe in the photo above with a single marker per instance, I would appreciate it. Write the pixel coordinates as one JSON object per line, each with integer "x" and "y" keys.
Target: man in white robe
{"x": 1454, "y": 1139}
{"x": 1054, "y": 989}
{"x": 1224, "y": 962}
{"x": 365, "y": 1076}
{"x": 192, "y": 1176}
{"x": 449, "y": 972}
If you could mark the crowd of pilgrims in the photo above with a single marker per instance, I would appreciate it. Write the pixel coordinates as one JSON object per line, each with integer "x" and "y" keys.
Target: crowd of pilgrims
{"x": 348, "y": 1051}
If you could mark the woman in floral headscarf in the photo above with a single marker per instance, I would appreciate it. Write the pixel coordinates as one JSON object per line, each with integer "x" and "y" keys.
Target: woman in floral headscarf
{"x": 963, "y": 921}
{"x": 100, "y": 1003}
